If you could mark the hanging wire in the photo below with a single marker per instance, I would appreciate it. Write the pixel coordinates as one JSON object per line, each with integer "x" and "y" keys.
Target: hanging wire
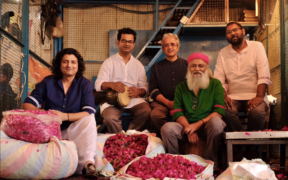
{"x": 85, "y": 6}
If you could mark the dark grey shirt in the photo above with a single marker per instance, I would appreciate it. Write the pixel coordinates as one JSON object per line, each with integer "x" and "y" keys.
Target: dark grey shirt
{"x": 165, "y": 76}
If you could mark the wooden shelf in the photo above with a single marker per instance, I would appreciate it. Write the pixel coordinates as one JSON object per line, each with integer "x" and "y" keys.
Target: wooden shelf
{"x": 215, "y": 29}
{"x": 244, "y": 24}
{"x": 199, "y": 18}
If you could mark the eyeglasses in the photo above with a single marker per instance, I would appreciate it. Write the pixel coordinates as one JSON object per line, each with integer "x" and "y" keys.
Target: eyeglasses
{"x": 171, "y": 44}
{"x": 125, "y": 41}
{"x": 234, "y": 30}
{"x": 195, "y": 101}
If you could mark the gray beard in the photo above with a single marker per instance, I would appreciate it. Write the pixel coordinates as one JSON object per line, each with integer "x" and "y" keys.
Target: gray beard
{"x": 195, "y": 83}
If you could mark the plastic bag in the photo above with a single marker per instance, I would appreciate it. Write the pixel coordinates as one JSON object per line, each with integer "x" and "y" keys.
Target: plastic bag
{"x": 155, "y": 146}
{"x": 31, "y": 126}
{"x": 255, "y": 169}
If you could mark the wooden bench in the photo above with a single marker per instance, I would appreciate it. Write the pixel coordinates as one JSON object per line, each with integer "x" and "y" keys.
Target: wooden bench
{"x": 264, "y": 137}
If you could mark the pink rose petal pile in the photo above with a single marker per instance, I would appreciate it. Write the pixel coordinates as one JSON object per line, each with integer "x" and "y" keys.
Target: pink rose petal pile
{"x": 28, "y": 128}
{"x": 119, "y": 149}
{"x": 285, "y": 128}
{"x": 165, "y": 165}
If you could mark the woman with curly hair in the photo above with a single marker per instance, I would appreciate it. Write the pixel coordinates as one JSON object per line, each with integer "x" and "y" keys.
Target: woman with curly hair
{"x": 70, "y": 95}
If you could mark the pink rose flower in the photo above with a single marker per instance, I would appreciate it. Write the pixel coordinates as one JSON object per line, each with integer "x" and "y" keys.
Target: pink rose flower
{"x": 158, "y": 167}
{"x": 120, "y": 149}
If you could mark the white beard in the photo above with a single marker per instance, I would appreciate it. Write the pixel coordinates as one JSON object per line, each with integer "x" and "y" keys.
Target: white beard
{"x": 195, "y": 83}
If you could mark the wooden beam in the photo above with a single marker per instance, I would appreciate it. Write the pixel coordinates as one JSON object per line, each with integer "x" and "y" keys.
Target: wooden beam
{"x": 196, "y": 10}
{"x": 257, "y": 8}
{"x": 227, "y": 11}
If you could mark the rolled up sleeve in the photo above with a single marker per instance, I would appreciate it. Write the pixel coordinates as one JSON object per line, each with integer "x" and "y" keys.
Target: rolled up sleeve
{"x": 262, "y": 66}
{"x": 87, "y": 100}
{"x": 103, "y": 75}
{"x": 37, "y": 96}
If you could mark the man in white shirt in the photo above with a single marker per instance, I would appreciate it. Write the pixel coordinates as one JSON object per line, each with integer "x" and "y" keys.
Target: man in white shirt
{"x": 243, "y": 70}
{"x": 121, "y": 70}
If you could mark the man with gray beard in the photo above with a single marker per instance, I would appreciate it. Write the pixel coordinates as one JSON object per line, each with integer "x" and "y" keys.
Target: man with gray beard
{"x": 198, "y": 109}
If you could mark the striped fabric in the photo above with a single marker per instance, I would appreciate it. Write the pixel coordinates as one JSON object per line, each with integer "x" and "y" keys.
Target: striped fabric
{"x": 155, "y": 146}
{"x": 23, "y": 160}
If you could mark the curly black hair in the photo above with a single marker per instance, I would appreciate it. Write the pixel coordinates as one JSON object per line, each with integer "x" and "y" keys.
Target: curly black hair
{"x": 126, "y": 31}
{"x": 56, "y": 63}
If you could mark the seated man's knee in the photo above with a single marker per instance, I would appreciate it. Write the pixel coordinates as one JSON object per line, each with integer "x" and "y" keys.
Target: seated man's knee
{"x": 229, "y": 112}
{"x": 154, "y": 115}
{"x": 88, "y": 120}
{"x": 256, "y": 118}
{"x": 257, "y": 112}
{"x": 145, "y": 110}
{"x": 167, "y": 128}
{"x": 216, "y": 124}
{"x": 109, "y": 117}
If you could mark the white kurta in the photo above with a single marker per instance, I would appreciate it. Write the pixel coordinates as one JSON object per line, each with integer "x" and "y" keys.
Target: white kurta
{"x": 114, "y": 69}
{"x": 241, "y": 73}
{"x": 84, "y": 134}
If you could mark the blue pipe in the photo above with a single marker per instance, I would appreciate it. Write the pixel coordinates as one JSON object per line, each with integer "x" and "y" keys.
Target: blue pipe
{"x": 156, "y": 15}
{"x": 57, "y": 43}
{"x": 25, "y": 49}
{"x": 60, "y": 39}
{"x": 284, "y": 91}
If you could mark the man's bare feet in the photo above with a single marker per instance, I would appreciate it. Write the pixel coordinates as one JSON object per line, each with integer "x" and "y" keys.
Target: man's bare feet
{"x": 89, "y": 170}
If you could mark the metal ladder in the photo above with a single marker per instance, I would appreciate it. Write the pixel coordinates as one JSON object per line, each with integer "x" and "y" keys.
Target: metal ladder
{"x": 176, "y": 29}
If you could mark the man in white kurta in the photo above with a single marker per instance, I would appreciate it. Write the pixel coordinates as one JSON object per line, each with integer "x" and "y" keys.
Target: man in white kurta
{"x": 243, "y": 70}
{"x": 121, "y": 70}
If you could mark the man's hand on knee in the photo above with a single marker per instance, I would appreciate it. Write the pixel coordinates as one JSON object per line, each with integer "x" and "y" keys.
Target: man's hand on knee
{"x": 228, "y": 102}
{"x": 193, "y": 138}
{"x": 254, "y": 102}
{"x": 192, "y": 127}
